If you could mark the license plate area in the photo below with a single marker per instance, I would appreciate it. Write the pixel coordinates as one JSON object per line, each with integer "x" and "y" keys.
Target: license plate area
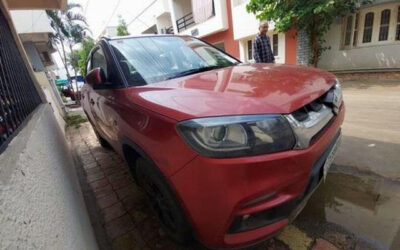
{"x": 331, "y": 156}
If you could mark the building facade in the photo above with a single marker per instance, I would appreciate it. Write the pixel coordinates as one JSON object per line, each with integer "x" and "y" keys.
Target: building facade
{"x": 223, "y": 23}
{"x": 41, "y": 202}
{"x": 34, "y": 29}
{"x": 368, "y": 40}
{"x": 245, "y": 28}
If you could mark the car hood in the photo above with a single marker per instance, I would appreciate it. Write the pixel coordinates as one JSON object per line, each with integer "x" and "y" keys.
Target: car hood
{"x": 236, "y": 90}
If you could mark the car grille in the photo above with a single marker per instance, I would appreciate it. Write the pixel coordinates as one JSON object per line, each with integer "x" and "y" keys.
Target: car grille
{"x": 309, "y": 122}
{"x": 302, "y": 114}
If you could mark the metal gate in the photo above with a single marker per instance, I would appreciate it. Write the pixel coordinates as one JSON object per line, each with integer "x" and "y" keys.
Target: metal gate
{"x": 18, "y": 95}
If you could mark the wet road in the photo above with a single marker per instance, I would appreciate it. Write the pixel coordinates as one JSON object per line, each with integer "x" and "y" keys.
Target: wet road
{"x": 354, "y": 211}
{"x": 371, "y": 130}
{"x": 358, "y": 207}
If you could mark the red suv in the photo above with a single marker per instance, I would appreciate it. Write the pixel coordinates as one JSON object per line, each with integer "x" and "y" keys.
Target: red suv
{"x": 227, "y": 152}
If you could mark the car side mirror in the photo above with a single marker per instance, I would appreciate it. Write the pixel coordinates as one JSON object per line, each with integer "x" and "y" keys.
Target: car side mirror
{"x": 95, "y": 76}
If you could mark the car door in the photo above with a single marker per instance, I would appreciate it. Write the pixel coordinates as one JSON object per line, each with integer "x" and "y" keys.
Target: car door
{"x": 102, "y": 99}
{"x": 86, "y": 91}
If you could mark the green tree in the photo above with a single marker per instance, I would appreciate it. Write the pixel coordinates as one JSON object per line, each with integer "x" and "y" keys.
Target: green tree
{"x": 122, "y": 28}
{"x": 70, "y": 28}
{"x": 87, "y": 46}
{"x": 314, "y": 16}
{"x": 73, "y": 59}
{"x": 78, "y": 58}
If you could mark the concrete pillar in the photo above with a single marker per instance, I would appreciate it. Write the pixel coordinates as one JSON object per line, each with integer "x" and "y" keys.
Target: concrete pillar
{"x": 171, "y": 5}
{"x": 303, "y": 48}
{"x": 242, "y": 50}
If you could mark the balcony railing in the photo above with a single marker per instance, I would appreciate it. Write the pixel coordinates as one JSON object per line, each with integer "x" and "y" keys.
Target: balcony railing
{"x": 185, "y": 22}
{"x": 18, "y": 95}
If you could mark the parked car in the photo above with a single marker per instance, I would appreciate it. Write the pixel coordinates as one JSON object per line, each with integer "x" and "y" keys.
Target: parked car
{"x": 72, "y": 92}
{"x": 228, "y": 153}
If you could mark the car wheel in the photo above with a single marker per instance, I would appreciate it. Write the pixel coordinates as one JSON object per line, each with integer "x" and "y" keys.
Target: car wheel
{"x": 163, "y": 202}
{"x": 102, "y": 141}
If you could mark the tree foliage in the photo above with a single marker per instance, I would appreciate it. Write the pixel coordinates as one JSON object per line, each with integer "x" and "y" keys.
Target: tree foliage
{"x": 70, "y": 28}
{"x": 87, "y": 46}
{"x": 79, "y": 57}
{"x": 73, "y": 59}
{"x": 314, "y": 16}
{"x": 122, "y": 28}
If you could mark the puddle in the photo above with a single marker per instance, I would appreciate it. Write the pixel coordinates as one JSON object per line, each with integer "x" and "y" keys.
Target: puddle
{"x": 366, "y": 207}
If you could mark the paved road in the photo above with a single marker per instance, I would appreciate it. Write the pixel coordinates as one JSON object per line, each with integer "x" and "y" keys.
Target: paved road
{"x": 371, "y": 131}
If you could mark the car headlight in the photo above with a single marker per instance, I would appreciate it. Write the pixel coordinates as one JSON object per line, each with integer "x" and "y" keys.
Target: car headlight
{"x": 335, "y": 96}
{"x": 235, "y": 136}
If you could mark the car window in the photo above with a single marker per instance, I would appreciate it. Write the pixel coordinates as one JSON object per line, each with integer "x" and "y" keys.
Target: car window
{"x": 99, "y": 60}
{"x": 153, "y": 59}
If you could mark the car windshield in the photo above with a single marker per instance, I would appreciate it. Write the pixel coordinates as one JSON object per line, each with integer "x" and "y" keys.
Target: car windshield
{"x": 145, "y": 60}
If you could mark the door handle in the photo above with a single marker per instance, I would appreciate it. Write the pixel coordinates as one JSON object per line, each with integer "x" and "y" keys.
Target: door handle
{"x": 92, "y": 101}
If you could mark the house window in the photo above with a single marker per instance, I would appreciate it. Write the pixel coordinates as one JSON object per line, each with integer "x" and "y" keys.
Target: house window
{"x": 46, "y": 57}
{"x": 250, "y": 50}
{"x": 275, "y": 44}
{"x": 349, "y": 31}
{"x": 384, "y": 28}
{"x": 398, "y": 25}
{"x": 355, "y": 36}
{"x": 368, "y": 26}
{"x": 372, "y": 26}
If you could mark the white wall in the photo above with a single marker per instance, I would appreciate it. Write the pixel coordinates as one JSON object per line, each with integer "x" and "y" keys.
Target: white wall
{"x": 52, "y": 98}
{"x": 40, "y": 199}
{"x": 217, "y": 23}
{"x": 245, "y": 24}
{"x": 163, "y": 21}
{"x": 376, "y": 55}
{"x": 31, "y": 21}
{"x": 181, "y": 7}
{"x": 149, "y": 17}
{"x": 160, "y": 7}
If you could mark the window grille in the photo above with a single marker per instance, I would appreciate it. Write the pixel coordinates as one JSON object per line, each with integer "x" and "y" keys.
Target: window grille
{"x": 355, "y": 36}
{"x": 384, "y": 28}
{"x": 368, "y": 25}
{"x": 398, "y": 25}
{"x": 349, "y": 26}
{"x": 275, "y": 44}
{"x": 250, "y": 50}
{"x": 18, "y": 95}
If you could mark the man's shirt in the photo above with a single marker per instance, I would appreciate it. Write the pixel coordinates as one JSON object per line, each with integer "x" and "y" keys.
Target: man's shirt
{"x": 262, "y": 50}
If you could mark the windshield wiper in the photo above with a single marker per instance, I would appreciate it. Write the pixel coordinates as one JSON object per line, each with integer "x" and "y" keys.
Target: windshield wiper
{"x": 194, "y": 71}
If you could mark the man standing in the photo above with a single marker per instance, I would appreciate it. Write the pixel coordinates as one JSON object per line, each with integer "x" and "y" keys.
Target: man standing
{"x": 262, "y": 45}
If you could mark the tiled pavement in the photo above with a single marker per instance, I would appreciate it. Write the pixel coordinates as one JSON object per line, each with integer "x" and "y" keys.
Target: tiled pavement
{"x": 117, "y": 207}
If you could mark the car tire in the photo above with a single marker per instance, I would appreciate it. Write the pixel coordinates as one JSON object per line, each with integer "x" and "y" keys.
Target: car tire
{"x": 101, "y": 140}
{"x": 163, "y": 202}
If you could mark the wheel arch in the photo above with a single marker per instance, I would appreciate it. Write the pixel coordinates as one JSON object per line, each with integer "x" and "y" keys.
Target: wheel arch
{"x": 131, "y": 152}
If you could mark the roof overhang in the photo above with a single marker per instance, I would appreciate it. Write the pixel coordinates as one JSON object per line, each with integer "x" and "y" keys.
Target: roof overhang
{"x": 36, "y": 4}
{"x": 34, "y": 37}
